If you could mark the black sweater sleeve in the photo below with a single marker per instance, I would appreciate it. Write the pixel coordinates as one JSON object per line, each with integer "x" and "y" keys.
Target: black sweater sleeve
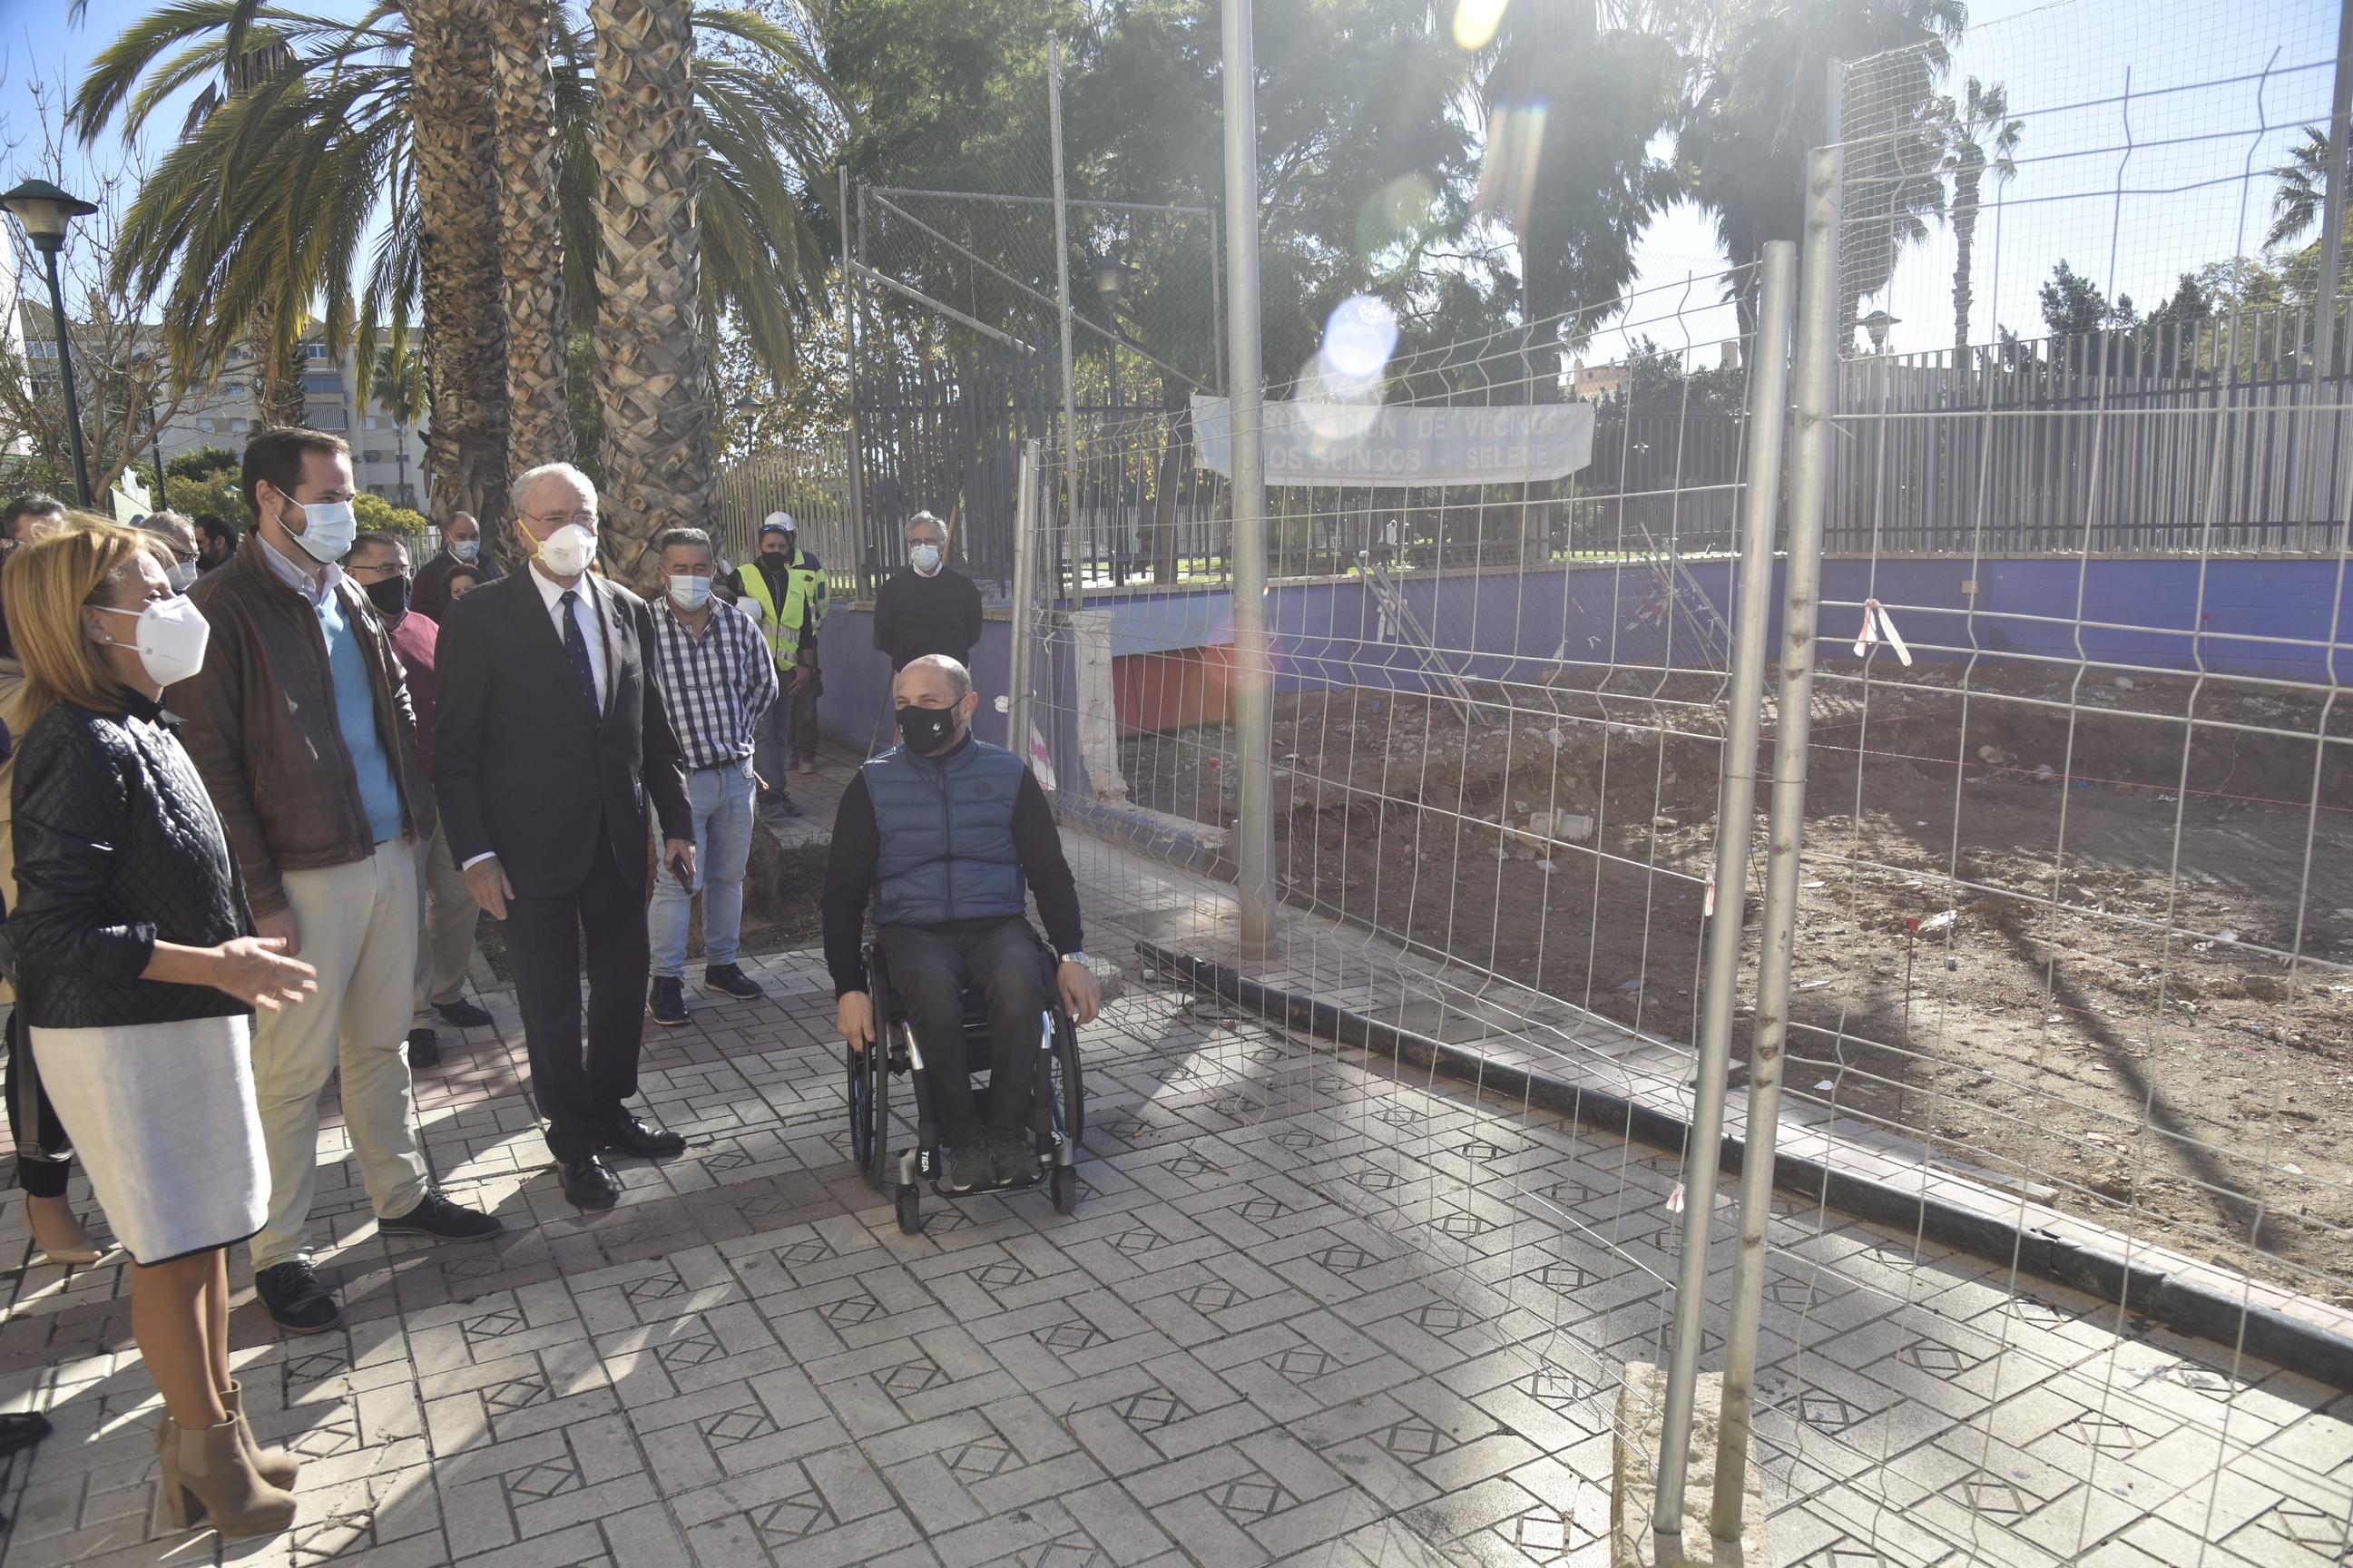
{"x": 1037, "y": 844}
{"x": 972, "y": 617}
{"x": 849, "y": 882}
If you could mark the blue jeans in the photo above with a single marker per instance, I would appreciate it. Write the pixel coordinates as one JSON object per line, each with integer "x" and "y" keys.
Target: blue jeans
{"x": 721, "y": 801}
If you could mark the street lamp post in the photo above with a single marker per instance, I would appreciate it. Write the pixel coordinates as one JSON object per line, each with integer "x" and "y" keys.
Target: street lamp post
{"x": 1109, "y": 276}
{"x": 43, "y": 210}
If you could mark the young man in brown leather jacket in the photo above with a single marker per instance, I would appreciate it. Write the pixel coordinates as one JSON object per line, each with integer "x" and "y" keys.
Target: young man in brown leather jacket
{"x": 300, "y": 724}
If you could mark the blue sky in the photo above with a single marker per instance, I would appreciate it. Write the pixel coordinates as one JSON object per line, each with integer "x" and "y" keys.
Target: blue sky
{"x": 2132, "y": 190}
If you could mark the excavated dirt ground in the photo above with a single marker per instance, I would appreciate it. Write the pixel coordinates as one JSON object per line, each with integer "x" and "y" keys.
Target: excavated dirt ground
{"x": 2107, "y": 1010}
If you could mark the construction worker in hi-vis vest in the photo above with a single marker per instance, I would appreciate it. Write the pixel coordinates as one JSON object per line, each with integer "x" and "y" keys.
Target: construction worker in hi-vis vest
{"x": 784, "y": 587}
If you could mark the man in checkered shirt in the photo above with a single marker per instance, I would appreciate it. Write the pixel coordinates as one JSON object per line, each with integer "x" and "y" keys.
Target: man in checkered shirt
{"x": 717, "y": 678}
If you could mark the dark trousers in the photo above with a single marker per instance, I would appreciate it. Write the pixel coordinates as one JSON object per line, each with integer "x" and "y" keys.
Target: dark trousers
{"x": 930, "y": 970}
{"x": 580, "y": 1092}
{"x": 801, "y": 727}
{"x": 42, "y": 1147}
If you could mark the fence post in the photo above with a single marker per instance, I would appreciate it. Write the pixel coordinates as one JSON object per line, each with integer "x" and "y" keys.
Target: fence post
{"x": 1025, "y": 588}
{"x": 1253, "y": 712}
{"x": 1062, "y": 308}
{"x": 1768, "y": 367}
{"x": 849, "y": 376}
{"x": 1817, "y": 360}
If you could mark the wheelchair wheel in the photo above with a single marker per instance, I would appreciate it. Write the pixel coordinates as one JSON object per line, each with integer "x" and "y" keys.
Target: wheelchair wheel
{"x": 911, "y": 1214}
{"x": 1063, "y": 1184}
{"x": 1070, "y": 1091}
{"x": 869, "y": 1114}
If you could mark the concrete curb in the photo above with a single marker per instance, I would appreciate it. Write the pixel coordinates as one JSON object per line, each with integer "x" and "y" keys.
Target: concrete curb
{"x": 2183, "y": 1305}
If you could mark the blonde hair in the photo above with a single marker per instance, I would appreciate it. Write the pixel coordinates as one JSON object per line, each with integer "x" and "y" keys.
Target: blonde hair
{"x": 44, "y": 589}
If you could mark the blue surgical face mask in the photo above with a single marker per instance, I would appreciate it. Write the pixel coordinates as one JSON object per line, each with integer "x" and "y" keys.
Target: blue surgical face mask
{"x": 465, "y": 549}
{"x": 925, "y": 558}
{"x": 328, "y": 528}
{"x": 689, "y": 591}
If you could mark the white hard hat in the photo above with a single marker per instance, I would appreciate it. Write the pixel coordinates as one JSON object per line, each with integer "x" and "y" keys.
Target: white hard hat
{"x": 783, "y": 520}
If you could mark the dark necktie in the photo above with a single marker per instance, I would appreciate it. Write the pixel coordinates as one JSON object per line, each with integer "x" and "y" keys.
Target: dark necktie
{"x": 575, "y": 648}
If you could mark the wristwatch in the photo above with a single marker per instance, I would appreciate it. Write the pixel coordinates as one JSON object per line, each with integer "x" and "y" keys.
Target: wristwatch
{"x": 1076, "y": 955}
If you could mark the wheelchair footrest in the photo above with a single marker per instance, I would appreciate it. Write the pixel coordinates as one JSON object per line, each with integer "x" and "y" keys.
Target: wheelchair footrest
{"x": 982, "y": 1189}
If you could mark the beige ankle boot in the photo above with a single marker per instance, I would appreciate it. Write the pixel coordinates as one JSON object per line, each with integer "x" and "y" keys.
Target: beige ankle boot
{"x": 208, "y": 1476}
{"x": 276, "y": 1466}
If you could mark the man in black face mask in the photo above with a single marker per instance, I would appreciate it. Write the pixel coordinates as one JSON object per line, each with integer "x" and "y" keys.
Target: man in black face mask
{"x": 446, "y": 912}
{"x": 947, "y": 834}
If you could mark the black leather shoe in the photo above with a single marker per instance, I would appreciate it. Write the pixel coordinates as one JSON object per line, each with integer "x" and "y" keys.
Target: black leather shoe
{"x": 589, "y": 1183}
{"x": 665, "y": 1001}
{"x": 424, "y": 1050}
{"x": 731, "y": 978}
{"x": 631, "y": 1135}
{"x": 438, "y": 1217}
{"x": 463, "y": 1015}
{"x": 296, "y": 1299}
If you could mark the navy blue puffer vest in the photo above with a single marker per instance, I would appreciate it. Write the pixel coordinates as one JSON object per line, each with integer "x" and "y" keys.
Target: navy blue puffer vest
{"x": 947, "y": 834}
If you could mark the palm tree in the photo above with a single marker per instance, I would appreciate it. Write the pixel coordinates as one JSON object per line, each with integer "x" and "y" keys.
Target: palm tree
{"x": 2296, "y": 207}
{"x": 1761, "y": 106}
{"x": 398, "y": 383}
{"x": 280, "y": 188}
{"x": 453, "y": 143}
{"x": 1981, "y": 139}
{"x": 654, "y": 363}
{"x": 529, "y": 161}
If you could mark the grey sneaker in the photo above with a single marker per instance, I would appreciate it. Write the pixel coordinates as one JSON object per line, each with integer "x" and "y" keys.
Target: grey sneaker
{"x": 1014, "y": 1156}
{"x": 965, "y": 1165}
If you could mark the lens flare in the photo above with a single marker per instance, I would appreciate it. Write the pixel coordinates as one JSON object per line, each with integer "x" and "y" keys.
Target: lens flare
{"x": 1340, "y": 389}
{"x": 1476, "y": 22}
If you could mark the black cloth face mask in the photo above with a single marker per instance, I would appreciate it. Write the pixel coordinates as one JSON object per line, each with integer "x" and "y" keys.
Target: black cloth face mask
{"x": 390, "y": 597}
{"x": 927, "y": 730}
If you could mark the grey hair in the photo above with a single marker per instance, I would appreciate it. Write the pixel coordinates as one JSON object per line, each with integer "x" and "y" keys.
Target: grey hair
{"x": 530, "y": 477}
{"x": 165, "y": 521}
{"x": 687, "y": 536}
{"x": 959, "y": 679}
{"x": 923, "y": 517}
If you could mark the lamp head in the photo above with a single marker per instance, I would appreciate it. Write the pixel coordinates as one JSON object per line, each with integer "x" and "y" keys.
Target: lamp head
{"x": 1111, "y": 276}
{"x": 45, "y": 211}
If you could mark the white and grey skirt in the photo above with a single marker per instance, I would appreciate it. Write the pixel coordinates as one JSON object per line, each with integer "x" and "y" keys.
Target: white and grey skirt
{"x": 164, "y": 1121}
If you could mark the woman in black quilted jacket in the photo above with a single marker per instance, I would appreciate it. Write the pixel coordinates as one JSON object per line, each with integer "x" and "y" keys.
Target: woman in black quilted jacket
{"x": 136, "y": 978}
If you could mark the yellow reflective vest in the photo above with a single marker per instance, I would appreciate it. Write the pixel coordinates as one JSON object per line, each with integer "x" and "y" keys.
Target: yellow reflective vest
{"x": 804, "y": 601}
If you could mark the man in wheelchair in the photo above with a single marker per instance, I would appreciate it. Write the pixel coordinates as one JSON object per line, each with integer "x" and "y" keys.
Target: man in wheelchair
{"x": 943, "y": 832}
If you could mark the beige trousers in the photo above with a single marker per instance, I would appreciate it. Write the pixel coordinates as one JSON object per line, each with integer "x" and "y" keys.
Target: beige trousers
{"x": 357, "y": 925}
{"x": 444, "y": 931}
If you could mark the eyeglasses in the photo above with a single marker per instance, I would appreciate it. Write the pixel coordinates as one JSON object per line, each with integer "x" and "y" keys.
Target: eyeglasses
{"x": 557, "y": 520}
{"x": 379, "y": 570}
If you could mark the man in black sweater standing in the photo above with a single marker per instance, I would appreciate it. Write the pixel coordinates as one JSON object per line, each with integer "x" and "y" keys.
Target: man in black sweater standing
{"x": 947, "y": 835}
{"x": 929, "y": 606}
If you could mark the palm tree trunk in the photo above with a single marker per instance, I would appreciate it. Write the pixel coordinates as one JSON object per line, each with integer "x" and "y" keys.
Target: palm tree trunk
{"x": 1965, "y": 234}
{"x": 540, "y": 427}
{"x": 277, "y": 377}
{"x": 653, "y": 365}
{"x": 456, "y": 140}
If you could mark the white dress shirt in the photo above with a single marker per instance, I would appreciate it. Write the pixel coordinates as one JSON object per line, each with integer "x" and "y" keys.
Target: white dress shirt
{"x": 583, "y": 610}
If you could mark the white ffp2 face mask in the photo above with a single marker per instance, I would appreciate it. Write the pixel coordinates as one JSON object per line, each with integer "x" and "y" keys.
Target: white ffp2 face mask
{"x": 173, "y": 635}
{"x": 567, "y": 551}
{"x": 180, "y": 574}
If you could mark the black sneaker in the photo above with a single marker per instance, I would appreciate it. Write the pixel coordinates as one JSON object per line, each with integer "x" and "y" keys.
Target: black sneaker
{"x": 965, "y": 1165}
{"x": 667, "y": 1001}
{"x": 463, "y": 1015}
{"x": 1014, "y": 1156}
{"x": 423, "y": 1048}
{"x": 776, "y": 803}
{"x": 296, "y": 1299}
{"x": 731, "y": 978}
{"x": 438, "y": 1217}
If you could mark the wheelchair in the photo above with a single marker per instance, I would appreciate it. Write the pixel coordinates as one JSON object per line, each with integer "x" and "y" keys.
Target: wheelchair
{"x": 1056, "y": 1106}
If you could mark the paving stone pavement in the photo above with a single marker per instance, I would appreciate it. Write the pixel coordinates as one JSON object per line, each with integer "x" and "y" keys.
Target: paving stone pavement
{"x": 1306, "y": 1313}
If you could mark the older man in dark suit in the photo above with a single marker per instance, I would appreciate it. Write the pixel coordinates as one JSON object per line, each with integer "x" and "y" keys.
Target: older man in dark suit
{"x": 547, "y": 755}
